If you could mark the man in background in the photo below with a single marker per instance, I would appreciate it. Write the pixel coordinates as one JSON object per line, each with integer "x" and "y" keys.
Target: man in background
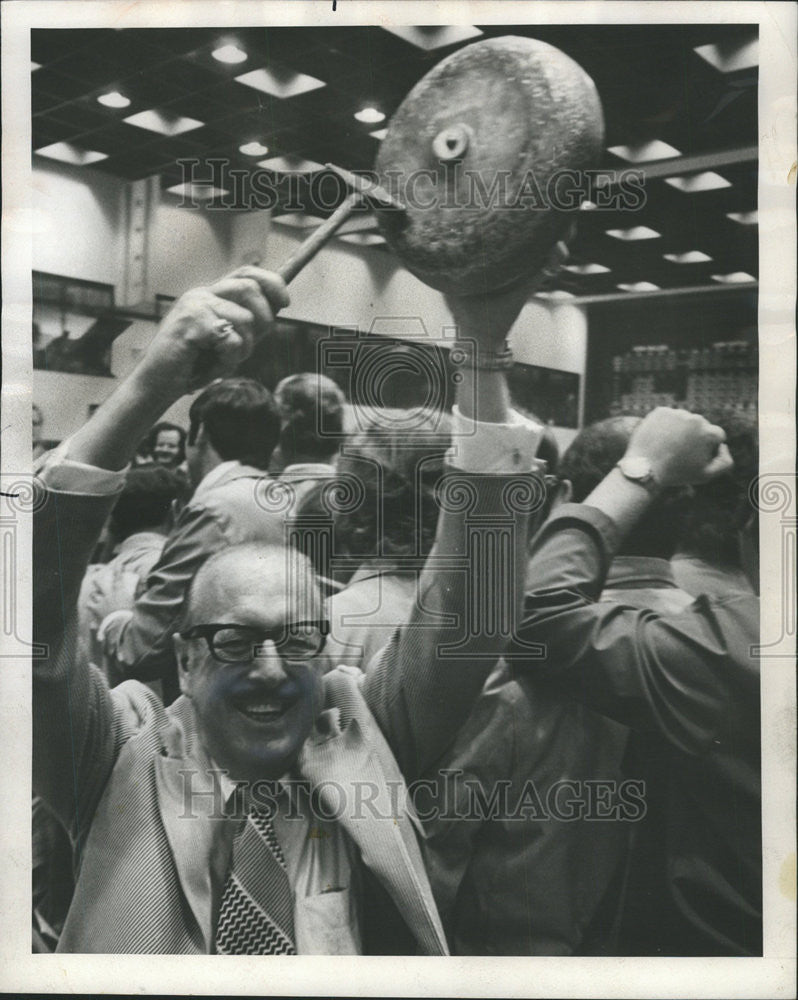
{"x": 138, "y": 527}
{"x": 311, "y": 408}
{"x": 718, "y": 519}
{"x": 234, "y": 426}
{"x": 687, "y": 684}
{"x": 388, "y": 535}
{"x": 532, "y": 875}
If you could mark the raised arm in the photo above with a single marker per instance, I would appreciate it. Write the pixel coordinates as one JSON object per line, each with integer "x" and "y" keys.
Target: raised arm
{"x": 422, "y": 685}
{"x": 78, "y": 725}
{"x": 670, "y": 674}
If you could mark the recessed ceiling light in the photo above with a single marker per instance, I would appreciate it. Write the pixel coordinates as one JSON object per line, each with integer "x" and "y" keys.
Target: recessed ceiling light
{"x": 66, "y": 152}
{"x": 587, "y": 268}
{"x": 639, "y": 286}
{"x": 197, "y": 192}
{"x": 744, "y": 218}
{"x": 229, "y": 54}
{"x": 162, "y": 122}
{"x": 731, "y": 56}
{"x": 430, "y": 37}
{"x": 379, "y": 134}
{"x": 363, "y": 239}
{"x": 253, "y": 149}
{"x": 360, "y": 224}
{"x": 635, "y": 233}
{"x": 689, "y": 257}
{"x": 369, "y": 116}
{"x": 555, "y": 293}
{"x": 279, "y": 81}
{"x": 298, "y": 220}
{"x": 707, "y": 181}
{"x": 113, "y": 99}
{"x": 735, "y": 278}
{"x": 289, "y": 164}
{"x": 645, "y": 151}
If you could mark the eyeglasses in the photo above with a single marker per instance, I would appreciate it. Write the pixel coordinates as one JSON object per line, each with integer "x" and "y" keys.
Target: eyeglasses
{"x": 229, "y": 643}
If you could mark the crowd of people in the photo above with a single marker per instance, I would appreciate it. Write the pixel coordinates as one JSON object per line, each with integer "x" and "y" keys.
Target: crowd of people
{"x": 408, "y": 682}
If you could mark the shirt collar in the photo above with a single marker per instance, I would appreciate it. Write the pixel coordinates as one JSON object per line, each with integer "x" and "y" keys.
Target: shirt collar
{"x": 640, "y": 571}
{"x": 696, "y": 576}
{"x": 308, "y": 470}
{"x": 215, "y": 476}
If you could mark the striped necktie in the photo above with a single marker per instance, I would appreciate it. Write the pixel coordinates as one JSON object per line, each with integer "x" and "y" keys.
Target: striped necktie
{"x": 256, "y": 916}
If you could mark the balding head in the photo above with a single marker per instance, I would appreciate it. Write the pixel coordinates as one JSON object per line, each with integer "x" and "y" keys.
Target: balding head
{"x": 271, "y": 574}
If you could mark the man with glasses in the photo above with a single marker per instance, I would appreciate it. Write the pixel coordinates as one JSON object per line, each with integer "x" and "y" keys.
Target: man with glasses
{"x": 263, "y": 811}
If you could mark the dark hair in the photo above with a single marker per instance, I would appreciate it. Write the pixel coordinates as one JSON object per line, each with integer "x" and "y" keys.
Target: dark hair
{"x": 311, "y": 410}
{"x": 593, "y": 453}
{"x": 146, "y": 499}
{"x": 152, "y": 438}
{"x": 394, "y": 473}
{"x": 718, "y": 510}
{"x": 240, "y": 420}
{"x": 549, "y": 451}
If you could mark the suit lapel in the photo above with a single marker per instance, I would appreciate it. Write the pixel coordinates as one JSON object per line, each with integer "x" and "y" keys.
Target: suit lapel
{"x": 191, "y": 805}
{"x": 385, "y": 829}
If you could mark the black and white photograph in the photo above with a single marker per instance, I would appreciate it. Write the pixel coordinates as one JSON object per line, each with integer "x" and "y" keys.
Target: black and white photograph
{"x": 402, "y": 560}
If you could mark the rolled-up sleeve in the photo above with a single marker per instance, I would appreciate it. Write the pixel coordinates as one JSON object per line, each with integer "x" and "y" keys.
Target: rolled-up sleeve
{"x": 61, "y": 474}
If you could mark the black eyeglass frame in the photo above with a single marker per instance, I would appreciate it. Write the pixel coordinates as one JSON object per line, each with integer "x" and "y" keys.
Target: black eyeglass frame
{"x": 276, "y": 635}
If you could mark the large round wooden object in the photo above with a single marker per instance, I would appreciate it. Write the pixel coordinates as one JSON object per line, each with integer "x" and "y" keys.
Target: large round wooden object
{"x": 476, "y": 152}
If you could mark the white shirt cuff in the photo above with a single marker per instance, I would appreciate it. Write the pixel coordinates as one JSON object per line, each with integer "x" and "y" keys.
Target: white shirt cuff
{"x": 59, "y": 473}
{"x": 497, "y": 449}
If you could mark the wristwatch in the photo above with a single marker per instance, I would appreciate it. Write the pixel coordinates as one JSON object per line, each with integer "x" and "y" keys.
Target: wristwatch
{"x": 638, "y": 470}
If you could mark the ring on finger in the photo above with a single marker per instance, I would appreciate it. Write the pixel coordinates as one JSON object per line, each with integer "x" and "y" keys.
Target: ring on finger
{"x": 222, "y": 327}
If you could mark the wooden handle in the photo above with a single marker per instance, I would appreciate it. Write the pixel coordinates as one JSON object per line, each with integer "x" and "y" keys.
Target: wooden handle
{"x": 307, "y": 250}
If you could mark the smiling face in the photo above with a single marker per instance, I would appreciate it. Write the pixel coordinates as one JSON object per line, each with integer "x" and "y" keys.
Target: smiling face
{"x": 167, "y": 450}
{"x": 255, "y": 714}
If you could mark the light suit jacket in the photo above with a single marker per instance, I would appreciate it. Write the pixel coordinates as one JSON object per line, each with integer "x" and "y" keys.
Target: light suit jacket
{"x": 108, "y": 762}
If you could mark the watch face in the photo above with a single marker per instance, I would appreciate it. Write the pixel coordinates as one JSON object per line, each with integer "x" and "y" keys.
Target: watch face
{"x": 635, "y": 467}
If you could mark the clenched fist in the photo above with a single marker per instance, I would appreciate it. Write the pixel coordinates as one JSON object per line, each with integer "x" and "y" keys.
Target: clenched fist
{"x": 210, "y": 330}
{"x": 681, "y": 448}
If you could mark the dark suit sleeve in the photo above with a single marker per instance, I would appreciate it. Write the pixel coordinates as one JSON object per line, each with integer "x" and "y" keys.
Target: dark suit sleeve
{"x": 143, "y": 648}
{"x": 77, "y": 731}
{"x": 667, "y": 675}
{"x": 422, "y": 685}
